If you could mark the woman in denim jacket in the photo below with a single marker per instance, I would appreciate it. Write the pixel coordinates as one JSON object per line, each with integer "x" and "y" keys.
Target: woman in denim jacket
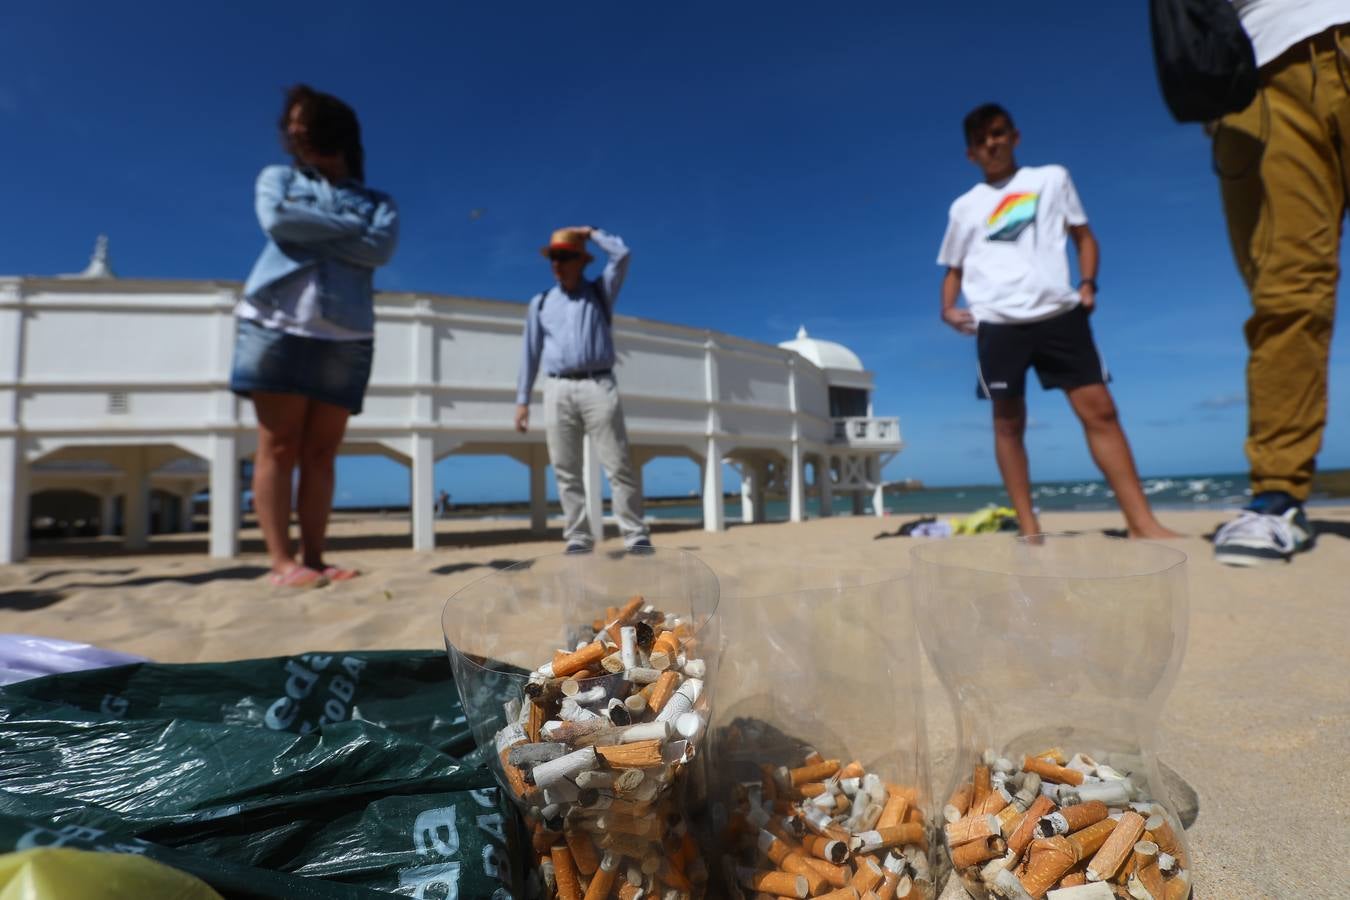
{"x": 306, "y": 323}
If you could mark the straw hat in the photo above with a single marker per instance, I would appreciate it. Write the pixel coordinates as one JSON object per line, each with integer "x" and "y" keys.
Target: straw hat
{"x": 567, "y": 239}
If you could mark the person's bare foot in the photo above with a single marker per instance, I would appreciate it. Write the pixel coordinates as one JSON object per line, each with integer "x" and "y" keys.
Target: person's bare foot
{"x": 1154, "y": 532}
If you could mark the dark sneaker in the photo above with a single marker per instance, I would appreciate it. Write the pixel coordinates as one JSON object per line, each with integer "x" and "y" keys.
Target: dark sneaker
{"x": 1254, "y": 537}
{"x": 641, "y": 545}
{"x": 578, "y": 547}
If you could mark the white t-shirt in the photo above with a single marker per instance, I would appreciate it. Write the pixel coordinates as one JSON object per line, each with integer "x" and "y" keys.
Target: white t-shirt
{"x": 1276, "y": 25}
{"x": 297, "y": 310}
{"x": 1009, "y": 242}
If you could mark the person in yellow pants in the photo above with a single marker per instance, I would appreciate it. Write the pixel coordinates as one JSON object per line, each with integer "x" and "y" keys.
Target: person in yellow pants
{"x": 1284, "y": 171}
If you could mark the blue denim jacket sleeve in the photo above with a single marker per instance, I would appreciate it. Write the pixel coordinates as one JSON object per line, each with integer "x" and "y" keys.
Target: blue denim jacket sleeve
{"x": 287, "y": 220}
{"x": 375, "y": 245}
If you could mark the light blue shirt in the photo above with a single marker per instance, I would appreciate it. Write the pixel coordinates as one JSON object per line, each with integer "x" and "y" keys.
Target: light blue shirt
{"x": 342, "y": 232}
{"x": 568, "y": 333}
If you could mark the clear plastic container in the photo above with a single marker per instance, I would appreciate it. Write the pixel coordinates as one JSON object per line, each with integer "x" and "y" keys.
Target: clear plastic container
{"x": 819, "y": 740}
{"x": 1058, "y": 652}
{"x": 587, "y": 681}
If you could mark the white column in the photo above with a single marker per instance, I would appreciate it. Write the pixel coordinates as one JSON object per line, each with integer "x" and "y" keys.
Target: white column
{"x": 13, "y": 500}
{"x": 136, "y": 511}
{"x": 714, "y": 518}
{"x": 878, "y": 491}
{"x": 595, "y": 500}
{"x": 422, "y": 475}
{"x": 224, "y": 509}
{"x": 185, "y": 506}
{"x": 750, "y": 479}
{"x": 825, "y": 485}
{"x": 796, "y": 489}
{"x": 538, "y": 489}
{"x": 107, "y": 514}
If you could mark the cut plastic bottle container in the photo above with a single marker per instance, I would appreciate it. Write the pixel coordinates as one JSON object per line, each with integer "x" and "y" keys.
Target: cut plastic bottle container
{"x": 604, "y": 792}
{"x": 1058, "y": 653}
{"x": 819, "y": 739}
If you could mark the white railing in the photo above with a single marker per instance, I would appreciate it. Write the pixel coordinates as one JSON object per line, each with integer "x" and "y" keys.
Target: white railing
{"x": 868, "y": 431}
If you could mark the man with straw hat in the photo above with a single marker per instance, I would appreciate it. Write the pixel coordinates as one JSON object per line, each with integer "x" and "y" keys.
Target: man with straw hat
{"x": 568, "y": 334}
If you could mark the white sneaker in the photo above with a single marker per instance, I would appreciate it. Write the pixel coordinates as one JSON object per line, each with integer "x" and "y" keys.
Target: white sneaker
{"x": 1255, "y": 538}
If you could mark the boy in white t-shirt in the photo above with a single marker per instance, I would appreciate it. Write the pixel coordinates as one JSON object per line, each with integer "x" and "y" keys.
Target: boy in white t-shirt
{"x": 1005, "y": 250}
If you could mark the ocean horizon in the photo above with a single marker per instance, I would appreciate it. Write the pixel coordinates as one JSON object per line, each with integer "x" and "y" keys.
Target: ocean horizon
{"x": 1212, "y": 491}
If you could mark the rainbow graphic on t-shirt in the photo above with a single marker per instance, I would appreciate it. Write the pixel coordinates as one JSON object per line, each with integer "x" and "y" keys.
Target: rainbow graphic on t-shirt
{"x": 1011, "y": 217}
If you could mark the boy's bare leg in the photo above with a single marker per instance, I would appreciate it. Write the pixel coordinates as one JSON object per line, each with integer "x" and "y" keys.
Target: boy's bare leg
{"x": 1010, "y": 424}
{"x": 1111, "y": 452}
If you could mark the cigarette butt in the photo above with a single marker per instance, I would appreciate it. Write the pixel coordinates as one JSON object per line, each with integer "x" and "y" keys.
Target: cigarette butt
{"x": 1178, "y": 887}
{"x": 534, "y": 721}
{"x": 981, "y": 786}
{"x": 666, "y": 643}
{"x": 630, "y": 891}
{"x": 817, "y": 772}
{"x": 867, "y": 877}
{"x": 1076, "y": 879}
{"x": 584, "y": 856}
{"x": 672, "y": 874}
{"x": 661, "y": 691}
{"x": 828, "y": 849}
{"x": 1009, "y": 819}
{"x": 1146, "y": 873}
{"x": 973, "y": 853}
{"x": 568, "y": 663}
{"x": 854, "y": 769}
{"x": 638, "y": 755}
{"x": 994, "y": 802}
{"x": 1071, "y": 819}
{"x": 837, "y": 876}
{"x": 514, "y": 777}
{"x": 890, "y": 836}
{"x": 1116, "y": 848}
{"x": 569, "y": 886}
{"x": 890, "y": 881}
{"x": 847, "y": 892}
{"x": 1090, "y": 839}
{"x": 1051, "y": 772}
{"x": 780, "y": 884}
{"x": 814, "y": 789}
{"x": 1054, "y": 754}
{"x": 971, "y": 828}
{"x": 1048, "y": 860}
{"x": 1166, "y": 839}
{"x": 812, "y": 756}
{"x": 603, "y": 883}
{"x": 959, "y": 803}
{"x": 893, "y": 813}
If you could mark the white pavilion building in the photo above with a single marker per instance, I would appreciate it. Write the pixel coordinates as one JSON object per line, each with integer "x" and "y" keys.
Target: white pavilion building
{"x": 119, "y": 388}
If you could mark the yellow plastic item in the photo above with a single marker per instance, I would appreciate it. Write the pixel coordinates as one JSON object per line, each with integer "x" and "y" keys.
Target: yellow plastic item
{"x": 984, "y": 521}
{"x": 59, "y": 873}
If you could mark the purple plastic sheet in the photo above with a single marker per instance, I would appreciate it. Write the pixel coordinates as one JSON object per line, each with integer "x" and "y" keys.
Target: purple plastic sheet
{"x": 24, "y": 656}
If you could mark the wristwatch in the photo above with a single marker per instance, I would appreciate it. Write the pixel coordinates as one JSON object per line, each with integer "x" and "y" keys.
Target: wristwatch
{"x": 1090, "y": 282}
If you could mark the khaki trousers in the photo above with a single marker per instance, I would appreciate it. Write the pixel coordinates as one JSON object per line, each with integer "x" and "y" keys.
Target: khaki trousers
{"x": 1282, "y": 166}
{"x": 573, "y": 409}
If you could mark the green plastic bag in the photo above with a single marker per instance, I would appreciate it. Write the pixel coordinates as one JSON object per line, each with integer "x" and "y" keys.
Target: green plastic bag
{"x": 259, "y": 764}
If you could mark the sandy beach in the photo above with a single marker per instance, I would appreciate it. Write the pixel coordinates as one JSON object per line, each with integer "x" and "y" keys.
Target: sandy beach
{"x": 1258, "y": 724}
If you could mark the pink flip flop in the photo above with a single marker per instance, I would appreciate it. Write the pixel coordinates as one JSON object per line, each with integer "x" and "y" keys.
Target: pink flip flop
{"x": 299, "y": 577}
{"x": 334, "y": 573}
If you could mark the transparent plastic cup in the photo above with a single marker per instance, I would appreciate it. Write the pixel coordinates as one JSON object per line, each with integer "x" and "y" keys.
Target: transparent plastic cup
{"x": 821, "y": 667}
{"x": 1063, "y": 647}
{"x": 604, "y": 803}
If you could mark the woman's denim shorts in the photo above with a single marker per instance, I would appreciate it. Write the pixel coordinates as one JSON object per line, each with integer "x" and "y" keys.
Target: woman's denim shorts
{"x": 273, "y": 361}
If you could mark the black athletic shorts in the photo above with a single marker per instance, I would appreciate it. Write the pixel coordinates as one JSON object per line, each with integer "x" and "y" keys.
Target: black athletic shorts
{"x": 1061, "y": 349}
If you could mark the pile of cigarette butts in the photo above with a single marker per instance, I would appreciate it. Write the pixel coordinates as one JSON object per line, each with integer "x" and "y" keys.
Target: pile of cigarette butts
{"x": 828, "y": 831}
{"x": 594, "y": 754}
{"x": 1074, "y": 825}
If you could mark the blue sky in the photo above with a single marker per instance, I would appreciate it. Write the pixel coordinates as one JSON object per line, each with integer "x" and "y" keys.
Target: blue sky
{"x": 772, "y": 165}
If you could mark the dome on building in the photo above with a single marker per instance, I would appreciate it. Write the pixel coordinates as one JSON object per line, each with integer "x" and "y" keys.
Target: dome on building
{"x": 825, "y": 354}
